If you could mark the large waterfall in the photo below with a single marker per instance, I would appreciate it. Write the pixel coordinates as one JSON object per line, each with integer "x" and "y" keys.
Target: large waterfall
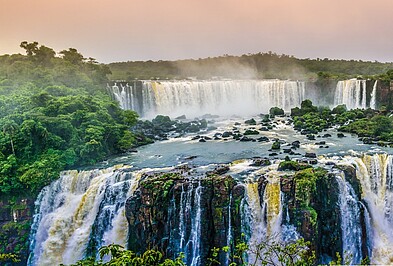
{"x": 195, "y": 98}
{"x": 352, "y": 93}
{"x": 375, "y": 173}
{"x": 78, "y": 208}
{"x": 85, "y": 210}
{"x": 350, "y": 221}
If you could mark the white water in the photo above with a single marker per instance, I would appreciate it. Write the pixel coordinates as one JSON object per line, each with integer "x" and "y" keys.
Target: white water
{"x": 125, "y": 95}
{"x": 373, "y": 100}
{"x": 68, "y": 208}
{"x": 195, "y": 239}
{"x": 350, "y": 221}
{"x": 375, "y": 173}
{"x": 352, "y": 93}
{"x": 225, "y": 98}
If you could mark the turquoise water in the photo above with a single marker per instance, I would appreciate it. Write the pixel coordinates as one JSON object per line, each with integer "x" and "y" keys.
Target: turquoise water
{"x": 179, "y": 150}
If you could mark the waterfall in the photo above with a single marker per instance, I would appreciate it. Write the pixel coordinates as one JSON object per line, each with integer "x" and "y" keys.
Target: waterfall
{"x": 375, "y": 173}
{"x": 195, "y": 238}
{"x": 125, "y": 95}
{"x": 373, "y": 104}
{"x": 229, "y": 233}
{"x": 352, "y": 93}
{"x": 265, "y": 214}
{"x": 67, "y": 209}
{"x": 350, "y": 221}
{"x": 193, "y": 98}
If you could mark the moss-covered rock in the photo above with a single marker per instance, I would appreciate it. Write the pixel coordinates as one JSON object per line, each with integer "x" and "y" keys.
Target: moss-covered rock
{"x": 276, "y": 145}
{"x": 292, "y": 166}
{"x": 166, "y": 202}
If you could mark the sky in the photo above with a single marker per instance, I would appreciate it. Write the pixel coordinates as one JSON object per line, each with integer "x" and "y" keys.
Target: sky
{"x": 132, "y": 30}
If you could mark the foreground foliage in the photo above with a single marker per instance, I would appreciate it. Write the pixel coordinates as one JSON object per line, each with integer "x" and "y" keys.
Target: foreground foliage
{"x": 267, "y": 252}
{"x": 116, "y": 255}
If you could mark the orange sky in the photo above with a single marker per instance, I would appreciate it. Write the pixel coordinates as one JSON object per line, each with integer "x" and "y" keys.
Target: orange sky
{"x": 121, "y": 30}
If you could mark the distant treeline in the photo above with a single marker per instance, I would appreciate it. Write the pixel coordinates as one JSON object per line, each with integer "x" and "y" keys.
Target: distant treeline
{"x": 258, "y": 66}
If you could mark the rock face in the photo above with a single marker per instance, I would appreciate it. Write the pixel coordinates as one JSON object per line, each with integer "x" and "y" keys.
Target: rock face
{"x": 176, "y": 214}
{"x": 15, "y": 220}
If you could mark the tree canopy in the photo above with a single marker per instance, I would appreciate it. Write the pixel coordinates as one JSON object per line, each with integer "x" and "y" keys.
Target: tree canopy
{"x": 54, "y": 115}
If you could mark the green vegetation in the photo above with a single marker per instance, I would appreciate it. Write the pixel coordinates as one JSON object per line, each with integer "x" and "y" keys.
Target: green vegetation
{"x": 374, "y": 126}
{"x": 120, "y": 256}
{"x": 292, "y": 166}
{"x": 260, "y": 65}
{"x": 305, "y": 189}
{"x": 269, "y": 251}
{"x": 276, "y": 145}
{"x": 276, "y": 111}
{"x": 8, "y": 258}
{"x": 54, "y": 115}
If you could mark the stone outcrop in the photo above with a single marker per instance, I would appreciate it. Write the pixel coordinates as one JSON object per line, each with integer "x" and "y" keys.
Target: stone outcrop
{"x": 165, "y": 211}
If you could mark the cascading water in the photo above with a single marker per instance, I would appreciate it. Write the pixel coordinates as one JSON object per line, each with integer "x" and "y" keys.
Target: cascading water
{"x": 194, "y": 243}
{"x": 373, "y": 100}
{"x": 125, "y": 95}
{"x": 189, "y": 228}
{"x": 229, "y": 234}
{"x": 352, "y": 93}
{"x": 350, "y": 221}
{"x": 375, "y": 173}
{"x": 67, "y": 209}
{"x": 193, "y": 98}
{"x": 264, "y": 215}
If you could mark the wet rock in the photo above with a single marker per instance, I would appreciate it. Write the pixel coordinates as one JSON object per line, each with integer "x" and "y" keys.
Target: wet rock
{"x": 154, "y": 213}
{"x": 260, "y": 162}
{"x": 192, "y": 157}
{"x": 287, "y": 150}
{"x": 219, "y": 170}
{"x": 251, "y": 132}
{"x": 202, "y": 140}
{"x": 310, "y": 137}
{"x": 264, "y": 129}
{"x": 244, "y": 138}
{"x": 263, "y": 139}
{"x": 286, "y": 184}
{"x": 320, "y": 143}
{"x": 226, "y": 134}
{"x": 340, "y": 135}
{"x": 250, "y": 122}
{"x": 273, "y": 154}
{"x": 327, "y": 136}
{"x": 310, "y": 155}
{"x": 182, "y": 117}
{"x": 296, "y": 144}
{"x": 276, "y": 145}
{"x": 196, "y": 137}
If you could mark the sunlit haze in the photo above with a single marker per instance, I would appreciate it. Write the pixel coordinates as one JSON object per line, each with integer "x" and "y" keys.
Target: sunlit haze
{"x": 122, "y": 30}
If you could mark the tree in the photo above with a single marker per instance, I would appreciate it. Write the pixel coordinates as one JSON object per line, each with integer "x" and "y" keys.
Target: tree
{"x": 9, "y": 128}
{"x": 31, "y": 48}
{"x": 117, "y": 255}
{"x": 72, "y": 55}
